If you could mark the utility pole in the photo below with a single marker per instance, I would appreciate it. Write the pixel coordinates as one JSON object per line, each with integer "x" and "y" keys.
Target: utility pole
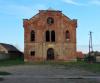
{"x": 90, "y": 42}
{"x": 90, "y": 58}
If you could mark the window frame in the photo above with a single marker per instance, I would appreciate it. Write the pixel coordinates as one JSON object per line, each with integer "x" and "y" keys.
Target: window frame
{"x": 50, "y": 20}
{"x": 32, "y": 53}
{"x": 67, "y": 35}
{"x": 32, "y": 36}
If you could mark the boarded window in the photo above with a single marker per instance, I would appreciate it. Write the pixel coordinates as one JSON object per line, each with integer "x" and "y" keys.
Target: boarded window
{"x": 32, "y": 53}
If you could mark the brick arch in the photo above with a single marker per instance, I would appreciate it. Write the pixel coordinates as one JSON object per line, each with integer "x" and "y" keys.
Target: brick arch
{"x": 50, "y": 54}
{"x": 32, "y": 35}
{"x": 52, "y": 36}
{"x": 67, "y": 35}
{"x": 47, "y": 36}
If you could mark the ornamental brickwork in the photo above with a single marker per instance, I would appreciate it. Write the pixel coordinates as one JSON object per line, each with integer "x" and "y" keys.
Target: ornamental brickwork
{"x": 49, "y": 35}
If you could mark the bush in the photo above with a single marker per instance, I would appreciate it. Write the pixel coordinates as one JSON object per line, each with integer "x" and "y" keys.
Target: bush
{"x": 4, "y": 73}
{"x": 90, "y": 59}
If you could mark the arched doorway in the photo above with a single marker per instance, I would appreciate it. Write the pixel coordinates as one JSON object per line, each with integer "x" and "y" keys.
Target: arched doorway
{"x": 50, "y": 54}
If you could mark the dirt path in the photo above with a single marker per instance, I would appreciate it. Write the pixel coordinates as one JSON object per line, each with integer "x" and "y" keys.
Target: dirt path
{"x": 48, "y": 74}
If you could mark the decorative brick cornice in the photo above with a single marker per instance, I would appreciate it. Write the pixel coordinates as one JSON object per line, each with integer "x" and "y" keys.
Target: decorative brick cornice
{"x": 74, "y": 23}
{"x": 25, "y": 23}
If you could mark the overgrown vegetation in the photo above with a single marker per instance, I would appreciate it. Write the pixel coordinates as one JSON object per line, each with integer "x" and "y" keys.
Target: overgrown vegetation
{"x": 4, "y": 73}
{"x": 10, "y": 62}
{"x": 94, "y": 67}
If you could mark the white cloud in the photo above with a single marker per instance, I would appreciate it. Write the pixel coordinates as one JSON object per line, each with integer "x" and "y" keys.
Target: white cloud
{"x": 85, "y": 2}
{"x": 73, "y": 2}
{"x": 20, "y": 10}
{"x": 96, "y": 2}
{"x": 14, "y": 9}
{"x": 70, "y": 2}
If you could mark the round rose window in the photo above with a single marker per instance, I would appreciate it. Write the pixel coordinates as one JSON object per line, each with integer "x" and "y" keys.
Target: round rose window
{"x": 50, "y": 20}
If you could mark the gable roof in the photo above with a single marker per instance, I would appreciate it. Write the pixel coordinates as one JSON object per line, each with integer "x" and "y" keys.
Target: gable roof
{"x": 9, "y": 47}
{"x": 42, "y": 11}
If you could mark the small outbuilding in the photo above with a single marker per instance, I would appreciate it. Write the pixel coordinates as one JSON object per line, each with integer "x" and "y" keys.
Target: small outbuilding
{"x": 8, "y": 51}
{"x": 80, "y": 55}
{"x": 97, "y": 56}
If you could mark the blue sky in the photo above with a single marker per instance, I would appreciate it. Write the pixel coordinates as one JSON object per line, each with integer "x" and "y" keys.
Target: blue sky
{"x": 87, "y": 12}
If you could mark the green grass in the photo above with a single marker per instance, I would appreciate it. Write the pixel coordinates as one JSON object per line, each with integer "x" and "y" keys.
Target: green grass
{"x": 46, "y": 63}
{"x": 11, "y": 62}
{"x": 94, "y": 67}
{"x": 4, "y": 73}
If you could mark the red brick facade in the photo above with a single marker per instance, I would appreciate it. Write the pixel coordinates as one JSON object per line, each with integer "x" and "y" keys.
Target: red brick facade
{"x": 54, "y": 37}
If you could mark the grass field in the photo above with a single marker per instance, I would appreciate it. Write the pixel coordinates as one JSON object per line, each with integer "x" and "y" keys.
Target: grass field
{"x": 11, "y": 62}
{"x": 5, "y": 73}
{"x": 94, "y": 67}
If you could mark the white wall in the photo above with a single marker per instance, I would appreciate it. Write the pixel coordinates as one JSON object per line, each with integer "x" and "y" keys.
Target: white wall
{"x": 97, "y": 58}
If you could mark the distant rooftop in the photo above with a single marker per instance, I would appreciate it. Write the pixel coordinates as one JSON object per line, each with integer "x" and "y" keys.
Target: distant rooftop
{"x": 9, "y": 47}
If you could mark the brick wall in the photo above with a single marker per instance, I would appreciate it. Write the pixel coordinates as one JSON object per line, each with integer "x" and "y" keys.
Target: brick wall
{"x": 63, "y": 49}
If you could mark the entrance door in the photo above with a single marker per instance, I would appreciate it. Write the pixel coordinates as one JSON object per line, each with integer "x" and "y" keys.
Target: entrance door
{"x": 50, "y": 54}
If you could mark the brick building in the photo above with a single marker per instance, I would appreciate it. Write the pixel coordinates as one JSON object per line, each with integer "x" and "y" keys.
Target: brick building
{"x": 49, "y": 35}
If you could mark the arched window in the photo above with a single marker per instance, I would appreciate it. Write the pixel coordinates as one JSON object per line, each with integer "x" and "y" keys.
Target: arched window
{"x": 47, "y": 36}
{"x": 67, "y": 35}
{"x": 50, "y": 54}
{"x": 32, "y": 35}
{"x": 52, "y": 36}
